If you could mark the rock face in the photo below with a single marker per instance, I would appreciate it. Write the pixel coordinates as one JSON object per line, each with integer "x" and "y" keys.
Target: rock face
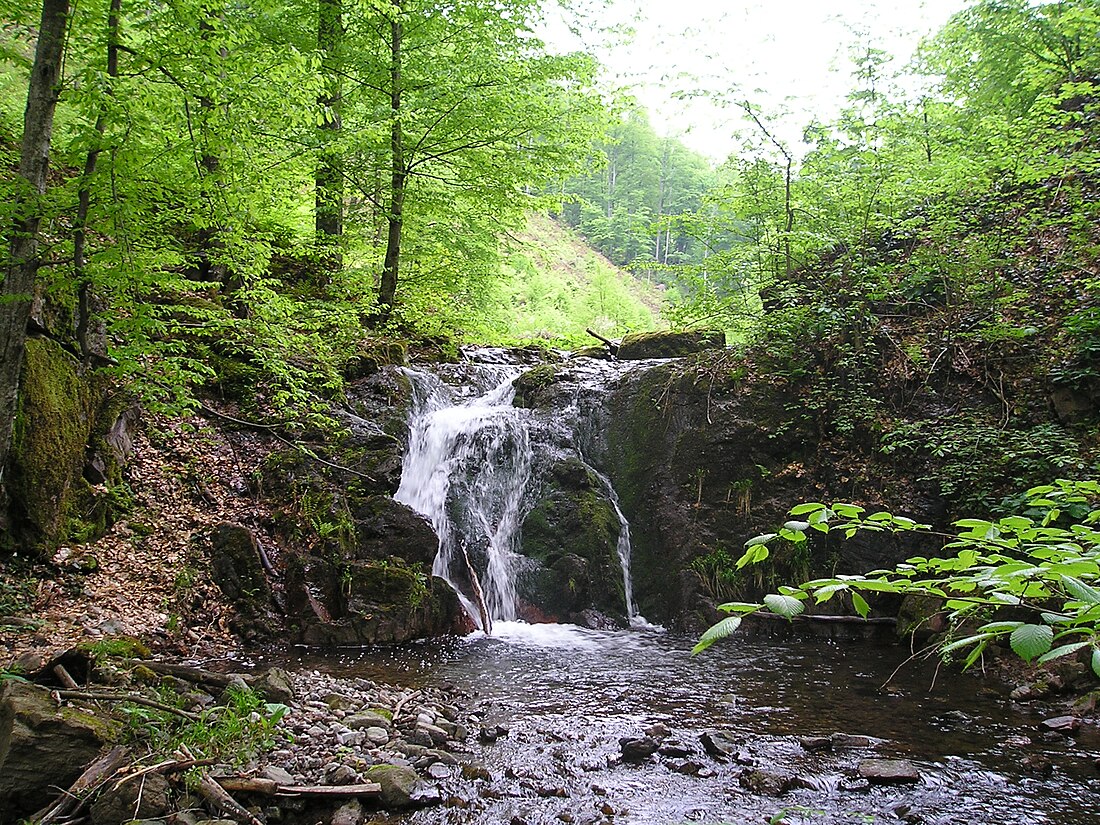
{"x": 42, "y": 746}
{"x": 703, "y": 460}
{"x": 639, "y": 345}
{"x": 571, "y": 534}
{"x": 236, "y": 568}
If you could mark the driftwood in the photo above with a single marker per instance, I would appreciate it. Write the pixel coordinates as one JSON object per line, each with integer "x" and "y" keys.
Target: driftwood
{"x": 137, "y": 699}
{"x": 402, "y": 702}
{"x": 268, "y": 787}
{"x": 479, "y": 594}
{"x": 612, "y": 347}
{"x": 217, "y": 796}
{"x": 331, "y": 791}
{"x": 94, "y": 776}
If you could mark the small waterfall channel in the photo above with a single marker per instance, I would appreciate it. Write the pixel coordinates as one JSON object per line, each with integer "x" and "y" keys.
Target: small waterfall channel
{"x": 470, "y": 469}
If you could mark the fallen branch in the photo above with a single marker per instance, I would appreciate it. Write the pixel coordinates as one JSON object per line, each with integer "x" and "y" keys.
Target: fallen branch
{"x": 612, "y": 347}
{"x": 479, "y": 595}
{"x": 217, "y": 796}
{"x": 367, "y": 789}
{"x": 94, "y": 776}
{"x": 65, "y": 677}
{"x": 402, "y": 702}
{"x": 189, "y": 674}
{"x": 126, "y": 697}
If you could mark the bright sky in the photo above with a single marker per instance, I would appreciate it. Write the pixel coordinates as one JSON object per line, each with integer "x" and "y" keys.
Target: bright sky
{"x": 782, "y": 55}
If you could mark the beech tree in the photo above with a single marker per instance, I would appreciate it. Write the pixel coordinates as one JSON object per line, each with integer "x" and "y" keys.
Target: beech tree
{"x": 17, "y": 291}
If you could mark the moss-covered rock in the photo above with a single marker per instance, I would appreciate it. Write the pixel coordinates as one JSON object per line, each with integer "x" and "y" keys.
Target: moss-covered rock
{"x": 639, "y": 345}
{"x": 43, "y": 746}
{"x": 531, "y": 386}
{"x": 63, "y": 466}
{"x": 572, "y": 532}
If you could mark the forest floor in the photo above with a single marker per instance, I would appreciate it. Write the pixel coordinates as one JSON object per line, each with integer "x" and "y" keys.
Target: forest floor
{"x": 146, "y": 578}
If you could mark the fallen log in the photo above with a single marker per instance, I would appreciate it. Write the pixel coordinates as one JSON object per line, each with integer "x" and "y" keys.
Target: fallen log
{"x": 189, "y": 674}
{"x": 95, "y": 775}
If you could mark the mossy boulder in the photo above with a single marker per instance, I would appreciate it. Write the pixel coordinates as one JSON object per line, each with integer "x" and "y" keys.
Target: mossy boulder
{"x": 571, "y": 534}
{"x": 43, "y": 746}
{"x": 639, "y": 345}
{"x": 67, "y": 448}
{"x": 533, "y": 385}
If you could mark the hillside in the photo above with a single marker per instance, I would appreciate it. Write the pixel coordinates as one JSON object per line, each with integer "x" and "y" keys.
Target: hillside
{"x": 556, "y": 285}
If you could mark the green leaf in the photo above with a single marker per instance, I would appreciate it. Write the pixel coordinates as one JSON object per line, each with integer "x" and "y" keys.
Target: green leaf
{"x": 809, "y": 507}
{"x": 1031, "y": 640}
{"x": 976, "y": 653}
{"x": 1064, "y": 650}
{"x": 783, "y": 605}
{"x": 1080, "y": 590}
{"x": 717, "y": 631}
{"x": 761, "y": 539}
{"x": 740, "y": 607}
{"x": 797, "y": 526}
{"x": 969, "y": 640}
{"x": 1096, "y": 660}
{"x": 860, "y": 604}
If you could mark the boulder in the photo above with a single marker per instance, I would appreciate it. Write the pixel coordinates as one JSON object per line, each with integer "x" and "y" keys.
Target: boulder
{"x": 236, "y": 568}
{"x": 639, "y": 345}
{"x": 42, "y": 746}
{"x": 148, "y": 799}
{"x": 274, "y": 685}
{"x": 399, "y": 785}
{"x": 718, "y": 744}
{"x": 765, "y": 783}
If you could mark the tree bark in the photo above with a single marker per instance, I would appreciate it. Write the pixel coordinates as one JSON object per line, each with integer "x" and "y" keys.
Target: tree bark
{"x": 90, "y": 330}
{"x": 329, "y": 173}
{"x": 387, "y": 288}
{"x": 17, "y": 292}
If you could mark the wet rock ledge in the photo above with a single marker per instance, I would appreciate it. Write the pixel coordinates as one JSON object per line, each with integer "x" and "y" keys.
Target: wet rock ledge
{"x": 177, "y": 745}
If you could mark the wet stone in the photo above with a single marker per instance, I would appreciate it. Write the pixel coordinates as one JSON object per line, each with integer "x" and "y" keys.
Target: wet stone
{"x": 637, "y": 749}
{"x": 658, "y": 731}
{"x": 675, "y": 750}
{"x": 1061, "y": 724}
{"x": 765, "y": 783}
{"x": 815, "y": 743}
{"x": 889, "y": 771}
{"x": 688, "y": 768}
{"x": 437, "y": 770}
{"x": 847, "y": 740}
{"x": 718, "y": 744}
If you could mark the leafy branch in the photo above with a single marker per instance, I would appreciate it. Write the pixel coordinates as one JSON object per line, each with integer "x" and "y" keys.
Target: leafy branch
{"x": 1044, "y": 560}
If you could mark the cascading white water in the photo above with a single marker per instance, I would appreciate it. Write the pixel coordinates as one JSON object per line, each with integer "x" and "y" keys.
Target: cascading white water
{"x": 466, "y": 470}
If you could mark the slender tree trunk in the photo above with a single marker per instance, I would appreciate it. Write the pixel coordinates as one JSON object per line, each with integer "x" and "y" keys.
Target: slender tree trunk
{"x": 212, "y": 265}
{"x": 90, "y": 331}
{"x": 387, "y": 288}
{"x": 329, "y": 174}
{"x": 17, "y": 292}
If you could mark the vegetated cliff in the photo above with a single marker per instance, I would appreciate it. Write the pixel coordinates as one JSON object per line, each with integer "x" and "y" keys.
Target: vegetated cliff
{"x": 915, "y": 376}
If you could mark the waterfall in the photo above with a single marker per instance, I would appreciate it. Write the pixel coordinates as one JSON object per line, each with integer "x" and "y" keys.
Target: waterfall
{"x": 466, "y": 470}
{"x": 469, "y": 466}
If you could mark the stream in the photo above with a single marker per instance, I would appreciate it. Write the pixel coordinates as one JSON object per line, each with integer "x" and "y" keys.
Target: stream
{"x": 567, "y": 695}
{"x": 562, "y": 697}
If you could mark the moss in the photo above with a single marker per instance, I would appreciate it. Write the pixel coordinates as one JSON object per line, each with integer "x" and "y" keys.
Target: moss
{"x": 58, "y": 413}
{"x": 121, "y": 647}
{"x": 384, "y": 583}
{"x": 531, "y": 385}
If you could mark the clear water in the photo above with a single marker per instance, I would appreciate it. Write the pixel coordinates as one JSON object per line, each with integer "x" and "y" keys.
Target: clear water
{"x": 568, "y": 694}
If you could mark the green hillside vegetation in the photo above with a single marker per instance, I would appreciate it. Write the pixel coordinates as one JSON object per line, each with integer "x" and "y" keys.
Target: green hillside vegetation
{"x": 555, "y": 286}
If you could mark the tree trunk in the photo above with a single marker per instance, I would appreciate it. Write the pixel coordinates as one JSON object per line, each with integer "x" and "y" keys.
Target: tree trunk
{"x": 329, "y": 173}
{"x": 90, "y": 330}
{"x": 17, "y": 292}
{"x": 387, "y": 288}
